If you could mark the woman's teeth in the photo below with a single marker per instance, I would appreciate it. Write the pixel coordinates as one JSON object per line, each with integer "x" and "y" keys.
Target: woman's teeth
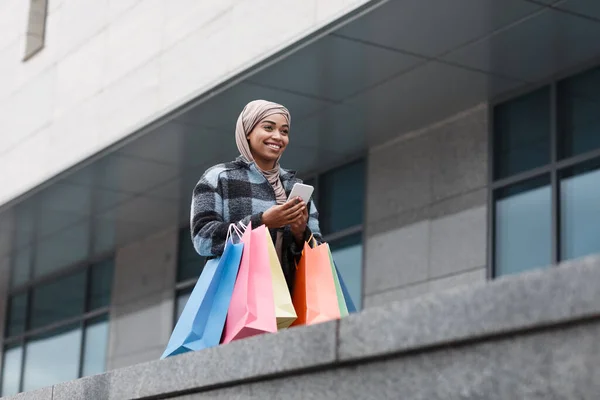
{"x": 274, "y": 147}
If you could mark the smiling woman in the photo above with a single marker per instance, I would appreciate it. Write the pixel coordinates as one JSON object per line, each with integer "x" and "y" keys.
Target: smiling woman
{"x": 254, "y": 189}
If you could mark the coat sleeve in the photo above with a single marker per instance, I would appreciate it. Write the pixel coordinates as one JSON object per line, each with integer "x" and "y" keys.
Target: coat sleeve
{"x": 207, "y": 225}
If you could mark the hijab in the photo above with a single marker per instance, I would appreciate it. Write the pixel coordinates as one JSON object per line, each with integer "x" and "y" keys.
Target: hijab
{"x": 251, "y": 115}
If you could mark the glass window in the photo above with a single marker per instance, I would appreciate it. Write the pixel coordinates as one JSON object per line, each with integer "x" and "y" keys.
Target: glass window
{"x": 190, "y": 263}
{"x": 11, "y": 370}
{"x": 101, "y": 277}
{"x": 341, "y": 198}
{"x": 17, "y": 315}
{"x": 96, "y": 343}
{"x": 182, "y": 298}
{"x": 61, "y": 249}
{"x": 347, "y": 254}
{"x": 523, "y": 226}
{"x": 580, "y": 211}
{"x": 58, "y": 300}
{"x": 522, "y": 134}
{"x": 21, "y": 270}
{"x": 52, "y": 357}
{"x": 579, "y": 114}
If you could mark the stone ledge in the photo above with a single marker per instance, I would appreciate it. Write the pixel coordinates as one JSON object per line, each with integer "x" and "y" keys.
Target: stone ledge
{"x": 511, "y": 310}
{"x": 516, "y": 303}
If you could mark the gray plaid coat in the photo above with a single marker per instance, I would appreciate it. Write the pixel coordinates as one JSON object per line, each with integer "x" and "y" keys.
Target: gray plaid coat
{"x": 236, "y": 192}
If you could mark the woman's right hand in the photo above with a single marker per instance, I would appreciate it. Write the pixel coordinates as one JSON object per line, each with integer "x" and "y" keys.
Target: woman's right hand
{"x": 284, "y": 214}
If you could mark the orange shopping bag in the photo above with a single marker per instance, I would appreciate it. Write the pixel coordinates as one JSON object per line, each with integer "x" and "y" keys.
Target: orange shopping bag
{"x": 315, "y": 296}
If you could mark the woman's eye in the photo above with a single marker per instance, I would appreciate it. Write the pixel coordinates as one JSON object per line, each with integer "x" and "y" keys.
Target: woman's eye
{"x": 285, "y": 132}
{"x": 268, "y": 128}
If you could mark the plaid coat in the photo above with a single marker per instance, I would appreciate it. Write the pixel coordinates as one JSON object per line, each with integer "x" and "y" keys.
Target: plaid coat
{"x": 236, "y": 192}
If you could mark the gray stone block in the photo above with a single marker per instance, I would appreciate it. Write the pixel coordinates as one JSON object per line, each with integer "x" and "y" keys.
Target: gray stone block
{"x": 460, "y": 155}
{"x": 516, "y": 302}
{"x": 458, "y": 242}
{"x": 95, "y": 387}
{"x": 456, "y": 204}
{"x": 40, "y": 394}
{"x": 232, "y": 393}
{"x": 553, "y": 364}
{"x": 264, "y": 355}
{"x": 145, "y": 267}
{"x": 397, "y": 258}
{"x": 398, "y": 294}
{"x": 151, "y": 317}
{"x": 473, "y": 277}
{"x": 399, "y": 178}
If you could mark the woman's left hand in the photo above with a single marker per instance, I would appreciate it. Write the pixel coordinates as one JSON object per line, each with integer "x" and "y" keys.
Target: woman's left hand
{"x": 298, "y": 227}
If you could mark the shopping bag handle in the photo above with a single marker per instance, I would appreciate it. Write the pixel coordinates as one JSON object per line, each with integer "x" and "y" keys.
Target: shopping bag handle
{"x": 233, "y": 228}
{"x": 311, "y": 241}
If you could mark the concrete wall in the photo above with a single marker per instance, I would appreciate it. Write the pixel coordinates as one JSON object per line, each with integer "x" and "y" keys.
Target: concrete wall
{"x": 426, "y": 210}
{"x": 141, "y": 315}
{"x": 532, "y": 336}
{"x": 111, "y": 66}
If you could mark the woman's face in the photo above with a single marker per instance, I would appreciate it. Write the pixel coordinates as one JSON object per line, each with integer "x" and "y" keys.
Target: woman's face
{"x": 269, "y": 139}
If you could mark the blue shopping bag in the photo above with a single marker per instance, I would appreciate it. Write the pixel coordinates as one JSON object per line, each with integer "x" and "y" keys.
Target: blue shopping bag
{"x": 203, "y": 318}
{"x": 349, "y": 303}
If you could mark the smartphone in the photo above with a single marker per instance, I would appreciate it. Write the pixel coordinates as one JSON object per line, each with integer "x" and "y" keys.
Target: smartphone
{"x": 303, "y": 191}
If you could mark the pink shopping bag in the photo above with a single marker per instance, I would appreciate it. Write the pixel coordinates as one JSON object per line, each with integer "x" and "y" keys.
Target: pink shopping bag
{"x": 252, "y": 306}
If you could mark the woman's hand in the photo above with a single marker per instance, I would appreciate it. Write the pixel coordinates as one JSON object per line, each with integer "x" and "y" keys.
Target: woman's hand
{"x": 298, "y": 226}
{"x": 284, "y": 214}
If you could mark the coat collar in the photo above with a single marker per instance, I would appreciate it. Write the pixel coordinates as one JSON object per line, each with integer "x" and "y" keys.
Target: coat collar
{"x": 285, "y": 175}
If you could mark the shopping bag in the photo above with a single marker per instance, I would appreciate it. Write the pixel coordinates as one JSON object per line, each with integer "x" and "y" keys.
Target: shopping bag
{"x": 349, "y": 303}
{"x": 203, "y": 318}
{"x": 252, "y": 307}
{"x": 314, "y": 295}
{"x": 338, "y": 288}
{"x": 285, "y": 314}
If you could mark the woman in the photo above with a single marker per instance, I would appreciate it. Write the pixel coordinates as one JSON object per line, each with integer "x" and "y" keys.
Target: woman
{"x": 254, "y": 189}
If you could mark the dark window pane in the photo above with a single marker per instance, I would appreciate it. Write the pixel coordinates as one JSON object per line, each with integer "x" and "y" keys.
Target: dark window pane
{"x": 347, "y": 254}
{"x": 61, "y": 249}
{"x": 11, "y": 370}
{"x": 21, "y": 270}
{"x": 522, "y": 134}
{"x": 96, "y": 341}
{"x": 190, "y": 263}
{"x": 101, "y": 277}
{"x": 580, "y": 211}
{"x": 17, "y": 315}
{"x": 58, "y": 300}
{"x": 182, "y": 298}
{"x": 523, "y": 227}
{"x": 579, "y": 114}
{"x": 341, "y": 198}
{"x": 52, "y": 358}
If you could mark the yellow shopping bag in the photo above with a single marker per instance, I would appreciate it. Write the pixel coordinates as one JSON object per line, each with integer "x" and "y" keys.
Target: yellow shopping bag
{"x": 284, "y": 308}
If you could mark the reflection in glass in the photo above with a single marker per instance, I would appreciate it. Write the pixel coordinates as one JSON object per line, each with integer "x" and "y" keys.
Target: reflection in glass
{"x": 16, "y": 315}
{"x": 182, "y": 298}
{"x": 522, "y": 134}
{"x": 341, "y": 198}
{"x": 11, "y": 370}
{"x": 58, "y": 300}
{"x": 580, "y": 211}
{"x": 21, "y": 270}
{"x": 52, "y": 358}
{"x": 101, "y": 277}
{"x": 347, "y": 254}
{"x": 190, "y": 263}
{"x": 523, "y": 227}
{"x": 579, "y": 113}
{"x": 96, "y": 342}
{"x": 62, "y": 249}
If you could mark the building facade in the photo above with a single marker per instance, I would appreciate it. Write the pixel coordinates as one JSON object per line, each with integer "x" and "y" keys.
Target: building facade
{"x": 449, "y": 143}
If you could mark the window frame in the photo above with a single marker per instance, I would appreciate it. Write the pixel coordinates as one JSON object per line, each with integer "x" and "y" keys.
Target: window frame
{"x": 554, "y": 167}
{"x": 82, "y": 319}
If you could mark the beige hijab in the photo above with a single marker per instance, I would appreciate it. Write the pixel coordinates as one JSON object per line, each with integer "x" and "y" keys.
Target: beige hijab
{"x": 251, "y": 115}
